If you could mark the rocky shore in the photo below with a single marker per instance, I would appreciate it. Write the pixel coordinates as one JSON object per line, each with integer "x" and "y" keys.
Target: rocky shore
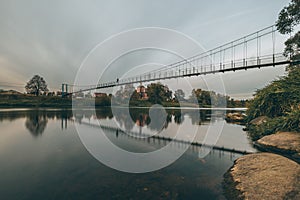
{"x": 284, "y": 143}
{"x": 263, "y": 176}
{"x": 273, "y": 175}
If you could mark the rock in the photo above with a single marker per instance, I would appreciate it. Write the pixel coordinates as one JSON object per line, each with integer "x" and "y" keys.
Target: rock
{"x": 259, "y": 120}
{"x": 285, "y": 143}
{"x": 263, "y": 176}
{"x": 235, "y": 117}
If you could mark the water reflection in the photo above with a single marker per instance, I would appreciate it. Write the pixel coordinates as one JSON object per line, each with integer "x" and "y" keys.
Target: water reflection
{"x": 59, "y": 167}
{"x": 36, "y": 120}
{"x": 12, "y": 115}
{"x": 158, "y": 121}
{"x": 36, "y": 123}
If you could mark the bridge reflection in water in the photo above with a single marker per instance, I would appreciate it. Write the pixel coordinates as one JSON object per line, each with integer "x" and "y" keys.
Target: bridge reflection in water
{"x": 121, "y": 130}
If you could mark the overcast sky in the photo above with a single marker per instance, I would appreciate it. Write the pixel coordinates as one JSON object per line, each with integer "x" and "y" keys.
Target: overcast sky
{"x": 51, "y": 38}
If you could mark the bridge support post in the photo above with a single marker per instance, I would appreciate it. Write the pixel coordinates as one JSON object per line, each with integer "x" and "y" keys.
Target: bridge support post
{"x": 62, "y": 90}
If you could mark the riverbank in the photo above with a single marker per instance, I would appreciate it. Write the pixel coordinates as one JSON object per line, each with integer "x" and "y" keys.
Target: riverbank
{"x": 23, "y": 101}
{"x": 263, "y": 176}
{"x": 283, "y": 143}
{"x": 35, "y": 102}
{"x": 272, "y": 175}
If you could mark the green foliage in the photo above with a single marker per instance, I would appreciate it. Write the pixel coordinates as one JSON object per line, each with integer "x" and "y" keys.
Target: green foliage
{"x": 232, "y": 103}
{"x": 158, "y": 93}
{"x": 103, "y": 101}
{"x": 278, "y": 98}
{"x": 280, "y": 101}
{"x": 292, "y": 47}
{"x": 210, "y": 98}
{"x": 202, "y": 96}
{"x": 36, "y": 85}
{"x": 179, "y": 95}
{"x": 34, "y": 101}
{"x": 288, "y": 18}
{"x": 290, "y": 122}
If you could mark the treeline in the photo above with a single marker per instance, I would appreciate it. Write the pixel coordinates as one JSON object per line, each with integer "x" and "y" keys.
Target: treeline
{"x": 154, "y": 93}
{"x": 157, "y": 93}
{"x": 19, "y": 101}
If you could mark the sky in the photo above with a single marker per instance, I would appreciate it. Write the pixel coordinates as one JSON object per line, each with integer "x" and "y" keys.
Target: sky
{"x": 52, "y": 38}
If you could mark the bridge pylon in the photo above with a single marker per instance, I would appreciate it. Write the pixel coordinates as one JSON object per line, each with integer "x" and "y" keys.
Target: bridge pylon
{"x": 64, "y": 90}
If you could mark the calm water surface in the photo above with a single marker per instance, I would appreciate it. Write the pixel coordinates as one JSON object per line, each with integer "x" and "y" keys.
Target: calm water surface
{"x": 42, "y": 156}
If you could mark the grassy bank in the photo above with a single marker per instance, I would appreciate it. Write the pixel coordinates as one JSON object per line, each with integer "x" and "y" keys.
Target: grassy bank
{"x": 24, "y": 101}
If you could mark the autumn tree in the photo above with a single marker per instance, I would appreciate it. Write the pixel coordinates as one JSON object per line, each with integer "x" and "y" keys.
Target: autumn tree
{"x": 36, "y": 85}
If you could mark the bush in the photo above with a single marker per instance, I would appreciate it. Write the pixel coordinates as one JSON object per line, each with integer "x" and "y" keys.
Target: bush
{"x": 280, "y": 101}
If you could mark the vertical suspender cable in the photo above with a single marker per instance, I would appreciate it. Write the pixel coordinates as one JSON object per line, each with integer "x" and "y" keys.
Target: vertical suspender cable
{"x": 232, "y": 56}
{"x": 210, "y": 61}
{"x": 257, "y": 48}
{"x": 273, "y": 41}
{"x": 220, "y": 58}
{"x": 214, "y": 58}
{"x": 244, "y": 53}
{"x": 224, "y": 59}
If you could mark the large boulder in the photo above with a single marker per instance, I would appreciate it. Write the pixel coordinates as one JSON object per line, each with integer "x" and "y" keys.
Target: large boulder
{"x": 259, "y": 120}
{"x": 263, "y": 176}
{"x": 235, "y": 117}
{"x": 286, "y": 143}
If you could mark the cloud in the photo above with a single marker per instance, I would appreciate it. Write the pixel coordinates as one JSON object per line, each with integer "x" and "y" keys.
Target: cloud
{"x": 51, "y": 38}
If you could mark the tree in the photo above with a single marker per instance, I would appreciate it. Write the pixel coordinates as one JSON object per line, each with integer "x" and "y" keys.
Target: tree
{"x": 179, "y": 95}
{"x": 280, "y": 100}
{"x": 203, "y": 97}
{"x": 158, "y": 93}
{"x": 124, "y": 94}
{"x": 288, "y": 18}
{"x": 36, "y": 85}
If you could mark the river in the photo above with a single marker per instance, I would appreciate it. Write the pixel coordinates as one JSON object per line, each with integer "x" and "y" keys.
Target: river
{"x": 43, "y": 157}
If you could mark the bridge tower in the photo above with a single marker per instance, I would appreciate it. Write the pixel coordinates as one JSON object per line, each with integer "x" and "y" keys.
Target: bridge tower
{"x": 64, "y": 90}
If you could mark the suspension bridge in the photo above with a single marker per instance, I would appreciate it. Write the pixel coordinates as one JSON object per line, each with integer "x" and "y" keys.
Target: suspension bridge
{"x": 263, "y": 48}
